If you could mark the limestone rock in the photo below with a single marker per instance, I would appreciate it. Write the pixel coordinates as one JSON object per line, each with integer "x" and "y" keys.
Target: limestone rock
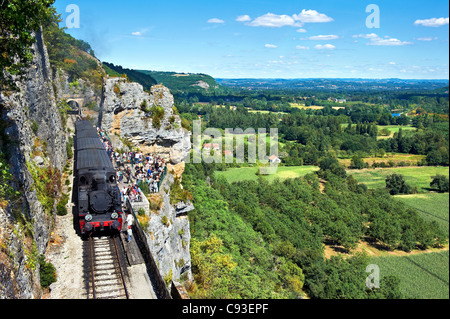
{"x": 126, "y": 111}
{"x": 31, "y": 116}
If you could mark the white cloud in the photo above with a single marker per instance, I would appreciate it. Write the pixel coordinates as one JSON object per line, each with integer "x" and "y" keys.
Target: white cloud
{"x": 387, "y": 41}
{"x": 427, "y": 39}
{"x": 243, "y": 18}
{"x": 392, "y": 63}
{"x": 312, "y": 16}
{"x": 366, "y": 36}
{"x": 274, "y": 21}
{"x": 215, "y": 20}
{"x": 301, "y": 47}
{"x": 433, "y": 22}
{"x": 302, "y": 31}
{"x": 271, "y": 46}
{"x": 325, "y": 47}
{"x": 377, "y": 40}
{"x": 137, "y": 34}
{"x": 324, "y": 37}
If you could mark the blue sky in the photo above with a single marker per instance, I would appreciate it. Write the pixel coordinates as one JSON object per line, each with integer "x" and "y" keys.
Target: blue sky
{"x": 269, "y": 39}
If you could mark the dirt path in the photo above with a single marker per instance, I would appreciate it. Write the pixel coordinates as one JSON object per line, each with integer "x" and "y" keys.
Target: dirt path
{"x": 65, "y": 252}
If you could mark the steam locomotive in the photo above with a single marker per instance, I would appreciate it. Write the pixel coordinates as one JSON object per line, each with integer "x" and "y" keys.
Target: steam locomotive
{"x": 99, "y": 204}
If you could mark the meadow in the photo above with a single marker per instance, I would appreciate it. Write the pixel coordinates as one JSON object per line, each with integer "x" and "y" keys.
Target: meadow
{"x": 432, "y": 207}
{"x": 249, "y": 173}
{"x": 394, "y": 129}
{"x": 395, "y": 158}
{"x": 423, "y": 276}
{"x": 419, "y": 177}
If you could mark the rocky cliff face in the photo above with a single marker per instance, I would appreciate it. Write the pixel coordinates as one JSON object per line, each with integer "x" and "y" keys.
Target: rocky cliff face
{"x": 169, "y": 236}
{"x": 35, "y": 135}
{"x": 129, "y": 112}
{"x": 148, "y": 120}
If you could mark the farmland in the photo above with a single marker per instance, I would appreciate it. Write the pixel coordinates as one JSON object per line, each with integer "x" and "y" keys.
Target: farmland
{"x": 395, "y": 158}
{"x": 423, "y": 276}
{"x": 419, "y": 177}
{"x": 432, "y": 207}
{"x": 393, "y": 129}
{"x": 249, "y": 173}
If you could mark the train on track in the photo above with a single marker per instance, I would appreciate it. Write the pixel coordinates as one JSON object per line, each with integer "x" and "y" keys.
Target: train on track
{"x": 98, "y": 200}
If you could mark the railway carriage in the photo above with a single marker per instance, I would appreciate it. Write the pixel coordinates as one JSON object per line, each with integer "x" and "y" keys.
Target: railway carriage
{"x": 98, "y": 204}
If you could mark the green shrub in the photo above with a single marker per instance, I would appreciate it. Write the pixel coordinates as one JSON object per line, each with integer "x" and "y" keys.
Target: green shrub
{"x": 47, "y": 272}
{"x": 178, "y": 194}
{"x": 144, "y": 188}
{"x": 165, "y": 220}
{"x": 34, "y": 126}
{"x": 441, "y": 183}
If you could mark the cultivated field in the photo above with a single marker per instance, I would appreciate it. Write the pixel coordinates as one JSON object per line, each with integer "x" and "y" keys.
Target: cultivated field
{"x": 414, "y": 176}
{"x": 394, "y": 129}
{"x": 423, "y": 276}
{"x": 249, "y": 173}
{"x": 432, "y": 207}
{"x": 390, "y": 157}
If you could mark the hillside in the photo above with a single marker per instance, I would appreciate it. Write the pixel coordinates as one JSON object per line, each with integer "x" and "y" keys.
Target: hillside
{"x": 146, "y": 80}
{"x": 184, "y": 82}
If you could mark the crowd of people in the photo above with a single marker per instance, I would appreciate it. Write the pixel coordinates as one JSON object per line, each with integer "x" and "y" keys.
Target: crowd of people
{"x": 135, "y": 170}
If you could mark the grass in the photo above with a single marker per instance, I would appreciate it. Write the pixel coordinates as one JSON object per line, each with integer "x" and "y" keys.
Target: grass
{"x": 314, "y": 107}
{"x": 423, "y": 276}
{"x": 394, "y": 129}
{"x": 394, "y": 157}
{"x": 432, "y": 207}
{"x": 419, "y": 177}
{"x": 391, "y": 128}
{"x": 249, "y": 173}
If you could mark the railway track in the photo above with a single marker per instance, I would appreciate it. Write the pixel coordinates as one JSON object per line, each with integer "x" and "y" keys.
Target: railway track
{"x": 104, "y": 274}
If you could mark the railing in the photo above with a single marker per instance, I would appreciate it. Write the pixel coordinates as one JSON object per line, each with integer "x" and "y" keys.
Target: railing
{"x": 161, "y": 178}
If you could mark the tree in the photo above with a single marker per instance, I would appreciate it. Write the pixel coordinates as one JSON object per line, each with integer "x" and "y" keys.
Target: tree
{"x": 357, "y": 162}
{"x": 18, "y": 20}
{"x": 330, "y": 164}
{"x": 440, "y": 182}
{"x": 396, "y": 184}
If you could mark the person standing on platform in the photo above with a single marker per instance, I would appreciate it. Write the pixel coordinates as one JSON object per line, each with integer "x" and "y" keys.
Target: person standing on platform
{"x": 130, "y": 220}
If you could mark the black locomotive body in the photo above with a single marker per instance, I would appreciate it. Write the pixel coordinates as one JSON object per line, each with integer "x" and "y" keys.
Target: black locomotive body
{"x": 99, "y": 204}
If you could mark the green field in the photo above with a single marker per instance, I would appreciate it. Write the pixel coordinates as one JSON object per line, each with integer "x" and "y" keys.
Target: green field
{"x": 414, "y": 176}
{"x": 432, "y": 207}
{"x": 249, "y": 173}
{"x": 394, "y": 129}
{"x": 423, "y": 276}
{"x": 396, "y": 158}
{"x": 391, "y": 128}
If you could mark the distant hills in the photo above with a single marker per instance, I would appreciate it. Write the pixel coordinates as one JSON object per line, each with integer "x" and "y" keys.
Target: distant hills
{"x": 146, "y": 80}
{"x": 178, "y": 83}
{"x": 190, "y": 83}
{"x": 184, "y": 82}
{"x": 334, "y": 84}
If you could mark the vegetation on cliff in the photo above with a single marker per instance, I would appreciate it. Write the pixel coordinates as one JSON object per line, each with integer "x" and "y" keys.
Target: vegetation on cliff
{"x": 18, "y": 21}
{"x": 116, "y": 70}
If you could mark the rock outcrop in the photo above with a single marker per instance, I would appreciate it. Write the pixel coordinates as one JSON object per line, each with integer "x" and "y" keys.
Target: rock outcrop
{"x": 149, "y": 121}
{"x": 128, "y": 111}
{"x": 169, "y": 236}
{"x": 34, "y": 130}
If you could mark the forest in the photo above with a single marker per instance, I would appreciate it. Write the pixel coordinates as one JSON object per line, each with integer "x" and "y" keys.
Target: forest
{"x": 344, "y": 134}
{"x": 268, "y": 239}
